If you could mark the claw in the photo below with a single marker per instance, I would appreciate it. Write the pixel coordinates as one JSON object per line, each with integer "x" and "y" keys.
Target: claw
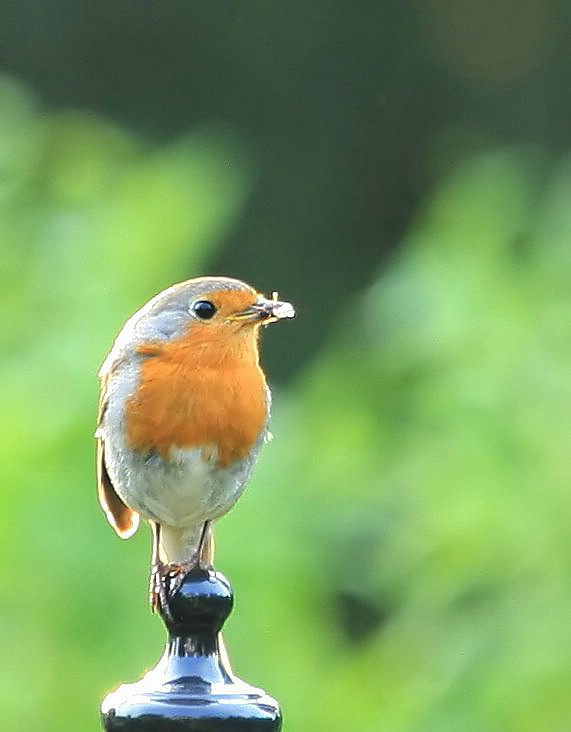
{"x": 166, "y": 580}
{"x": 176, "y": 572}
{"x": 159, "y": 590}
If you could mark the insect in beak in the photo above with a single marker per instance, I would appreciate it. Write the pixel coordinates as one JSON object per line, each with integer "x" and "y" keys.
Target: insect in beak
{"x": 266, "y": 311}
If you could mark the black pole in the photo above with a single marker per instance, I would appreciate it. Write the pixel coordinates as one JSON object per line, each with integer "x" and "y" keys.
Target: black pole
{"x": 192, "y": 687}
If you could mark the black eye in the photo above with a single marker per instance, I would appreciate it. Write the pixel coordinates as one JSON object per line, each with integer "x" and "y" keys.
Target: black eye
{"x": 204, "y": 309}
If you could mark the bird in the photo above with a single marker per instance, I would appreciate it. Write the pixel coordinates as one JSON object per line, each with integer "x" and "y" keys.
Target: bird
{"x": 183, "y": 413}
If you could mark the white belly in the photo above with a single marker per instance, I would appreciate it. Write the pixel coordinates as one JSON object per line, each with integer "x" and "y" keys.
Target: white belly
{"x": 182, "y": 492}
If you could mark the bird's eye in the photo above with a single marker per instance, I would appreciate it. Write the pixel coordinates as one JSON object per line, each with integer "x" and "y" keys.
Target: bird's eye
{"x": 204, "y": 309}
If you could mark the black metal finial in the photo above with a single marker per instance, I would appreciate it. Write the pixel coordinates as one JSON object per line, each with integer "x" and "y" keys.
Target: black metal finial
{"x": 192, "y": 687}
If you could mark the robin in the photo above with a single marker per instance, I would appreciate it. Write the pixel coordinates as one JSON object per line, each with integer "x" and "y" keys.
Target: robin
{"x": 183, "y": 414}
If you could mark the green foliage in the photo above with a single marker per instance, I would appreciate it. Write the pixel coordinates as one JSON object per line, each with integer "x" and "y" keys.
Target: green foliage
{"x": 416, "y": 500}
{"x": 400, "y": 560}
{"x": 92, "y": 223}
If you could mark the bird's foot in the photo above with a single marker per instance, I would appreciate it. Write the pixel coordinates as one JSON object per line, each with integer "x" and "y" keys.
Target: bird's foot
{"x": 166, "y": 581}
{"x": 177, "y": 571}
{"x": 175, "y": 574}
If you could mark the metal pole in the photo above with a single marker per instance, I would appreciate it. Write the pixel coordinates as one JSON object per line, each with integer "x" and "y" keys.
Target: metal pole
{"x": 192, "y": 687}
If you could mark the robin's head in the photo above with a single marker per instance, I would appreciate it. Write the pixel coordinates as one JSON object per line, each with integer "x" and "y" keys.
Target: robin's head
{"x": 233, "y": 305}
{"x": 215, "y": 310}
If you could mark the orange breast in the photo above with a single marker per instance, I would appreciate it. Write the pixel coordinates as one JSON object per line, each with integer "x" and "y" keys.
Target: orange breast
{"x": 200, "y": 391}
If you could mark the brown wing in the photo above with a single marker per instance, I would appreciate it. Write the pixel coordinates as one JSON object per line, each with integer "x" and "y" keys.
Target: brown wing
{"x": 123, "y": 519}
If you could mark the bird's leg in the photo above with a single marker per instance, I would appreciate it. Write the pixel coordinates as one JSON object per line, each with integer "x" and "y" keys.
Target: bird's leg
{"x": 201, "y": 558}
{"x": 205, "y": 549}
{"x": 158, "y": 590}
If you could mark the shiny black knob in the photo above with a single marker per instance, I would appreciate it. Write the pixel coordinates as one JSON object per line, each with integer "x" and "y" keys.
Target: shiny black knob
{"x": 193, "y": 687}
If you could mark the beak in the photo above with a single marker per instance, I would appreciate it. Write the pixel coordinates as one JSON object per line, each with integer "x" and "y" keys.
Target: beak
{"x": 266, "y": 311}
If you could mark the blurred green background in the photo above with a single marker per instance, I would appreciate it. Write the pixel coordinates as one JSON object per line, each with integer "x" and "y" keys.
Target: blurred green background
{"x": 401, "y": 172}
